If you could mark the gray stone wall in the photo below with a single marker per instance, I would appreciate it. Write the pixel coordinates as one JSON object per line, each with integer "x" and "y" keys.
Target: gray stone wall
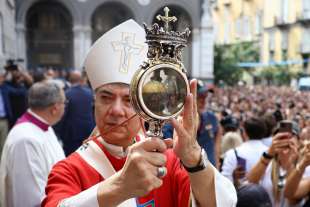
{"x": 7, "y": 31}
{"x": 201, "y": 60}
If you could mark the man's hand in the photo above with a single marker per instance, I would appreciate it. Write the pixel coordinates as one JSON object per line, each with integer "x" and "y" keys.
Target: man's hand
{"x": 26, "y": 77}
{"x": 139, "y": 175}
{"x": 140, "y": 172}
{"x": 186, "y": 146}
{"x": 188, "y": 150}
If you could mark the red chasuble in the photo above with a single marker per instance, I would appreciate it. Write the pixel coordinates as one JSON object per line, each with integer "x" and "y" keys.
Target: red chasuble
{"x": 73, "y": 175}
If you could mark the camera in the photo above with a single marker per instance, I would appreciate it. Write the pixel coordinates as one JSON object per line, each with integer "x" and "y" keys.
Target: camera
{"x": 229, "y": 123}
{"x": 12, "y": 64}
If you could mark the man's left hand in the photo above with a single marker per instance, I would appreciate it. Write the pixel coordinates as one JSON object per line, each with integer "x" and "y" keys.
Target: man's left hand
{"x": 185, "y": 144}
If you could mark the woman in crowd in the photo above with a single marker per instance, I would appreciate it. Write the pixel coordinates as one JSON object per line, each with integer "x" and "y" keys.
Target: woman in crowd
{"x": 276, "y": 163}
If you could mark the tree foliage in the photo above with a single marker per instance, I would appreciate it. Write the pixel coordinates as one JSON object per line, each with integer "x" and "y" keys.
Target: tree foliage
{"x": 278, "y": 75}
{"x": 227, "y": 57}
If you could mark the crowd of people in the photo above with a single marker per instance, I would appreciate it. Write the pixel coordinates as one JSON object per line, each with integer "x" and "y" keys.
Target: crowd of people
{"x": 58, "y": 148}
{"x": 265, "y": 133}
{"x": 78, "y": 120}
{"x": 257, "y": 136}
{"x": 246, "y": 101}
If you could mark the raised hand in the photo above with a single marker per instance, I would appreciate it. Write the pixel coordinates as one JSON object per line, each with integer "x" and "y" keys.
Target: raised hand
{"x": 305, "y": 156}
{"x": 185, "y": 144}
{"x": 280, "y": 142}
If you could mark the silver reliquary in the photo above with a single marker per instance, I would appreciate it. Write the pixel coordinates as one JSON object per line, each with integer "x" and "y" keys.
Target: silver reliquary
{"x": 159, "y": 88}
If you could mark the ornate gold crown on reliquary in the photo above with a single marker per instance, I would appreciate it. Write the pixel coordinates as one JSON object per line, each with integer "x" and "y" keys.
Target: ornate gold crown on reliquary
{"x": 164, "y": 44}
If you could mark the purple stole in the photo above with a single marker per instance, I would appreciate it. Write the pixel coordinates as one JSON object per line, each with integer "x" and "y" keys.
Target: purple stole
{"x": 27, "y": 117}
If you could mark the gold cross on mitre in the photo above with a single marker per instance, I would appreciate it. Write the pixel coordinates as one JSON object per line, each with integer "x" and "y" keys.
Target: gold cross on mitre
{"x": 166, "y": 18}
{"x": 127, "y": 47}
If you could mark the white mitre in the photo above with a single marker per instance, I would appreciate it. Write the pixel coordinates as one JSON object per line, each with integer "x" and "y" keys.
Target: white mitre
{"x": 116, "y": 55}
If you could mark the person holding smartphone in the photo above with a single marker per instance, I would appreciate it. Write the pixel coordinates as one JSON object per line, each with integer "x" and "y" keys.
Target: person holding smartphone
{"x": 297, "y": 186}
{"x": 17, "y": 78}
{"x": 277, "y": 162}
{"x": 237, "y": 162}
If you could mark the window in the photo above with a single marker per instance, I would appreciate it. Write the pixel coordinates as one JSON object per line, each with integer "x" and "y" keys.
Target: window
{"x": 305, "y": 44}
{"x": 306, "y": 59}
{"x": 307, "y": 35}
{"x": 306, "y": 9}
{"x": 284, "y": 43}
{"x": 244, "y": 27}
{"x": 226, "y": 25}
{"x": 247, "y": 27}
{"x": 271, "y": 41}
{"x": 306, "y": 5}
{"x": 285, "y": 10}
{"x": 258, "y": 23}
{"x": 284, "y": 54}
{"x": 239, "y": 28}
{"x": 271, "y": 55}
{"x": 216, "y": 29}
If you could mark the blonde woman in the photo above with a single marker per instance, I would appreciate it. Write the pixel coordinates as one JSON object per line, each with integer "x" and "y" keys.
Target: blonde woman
{"x": 275, "y": 164}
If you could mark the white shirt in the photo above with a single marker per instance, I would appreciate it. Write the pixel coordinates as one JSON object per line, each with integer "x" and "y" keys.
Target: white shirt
{"x": 267, "y": 141}
{"x": 250, "y": 150}
{"x": 28, "y": 156}
{"x": 266, "y": 182}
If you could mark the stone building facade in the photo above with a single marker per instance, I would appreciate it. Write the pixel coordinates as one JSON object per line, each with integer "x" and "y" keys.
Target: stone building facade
{"x": 7, "y": 30}
{"x": 58, "y": 33}
{"x": 281, "y": 28}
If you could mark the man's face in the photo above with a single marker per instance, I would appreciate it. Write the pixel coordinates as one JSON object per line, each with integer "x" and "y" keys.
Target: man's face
{"x": 112, "y": 107}
{"x": 59, "y": 107}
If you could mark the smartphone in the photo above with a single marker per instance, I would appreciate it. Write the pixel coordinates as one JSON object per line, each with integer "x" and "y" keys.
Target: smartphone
{"x": 286, "y": 126}
{"x": 241, "y": 162}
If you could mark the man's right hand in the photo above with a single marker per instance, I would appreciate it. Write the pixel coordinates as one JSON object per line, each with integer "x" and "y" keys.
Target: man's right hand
{"x": 139, "y": 175}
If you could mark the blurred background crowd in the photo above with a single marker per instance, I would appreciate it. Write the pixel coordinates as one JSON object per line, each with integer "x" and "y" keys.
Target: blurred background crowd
{"x": 238, "y": 128}
{"x": 77, "y": 122}
{"x": 252, "y": 58}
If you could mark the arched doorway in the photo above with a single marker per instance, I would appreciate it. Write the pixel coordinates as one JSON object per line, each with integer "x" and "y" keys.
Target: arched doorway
{"x": 49, "y": 36}
{"x": 108, "y": 16}
{"x": 184, "y": 21}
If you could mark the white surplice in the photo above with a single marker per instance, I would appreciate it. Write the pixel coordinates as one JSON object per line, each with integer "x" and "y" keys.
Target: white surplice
{"x": 28, "y": 156}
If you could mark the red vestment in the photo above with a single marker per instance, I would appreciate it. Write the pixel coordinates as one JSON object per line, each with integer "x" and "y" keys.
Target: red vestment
{"x": 74, "y": 175}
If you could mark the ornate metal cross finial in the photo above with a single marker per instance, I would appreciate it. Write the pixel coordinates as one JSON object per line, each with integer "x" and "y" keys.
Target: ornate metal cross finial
{"x": 166, "y": 18}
